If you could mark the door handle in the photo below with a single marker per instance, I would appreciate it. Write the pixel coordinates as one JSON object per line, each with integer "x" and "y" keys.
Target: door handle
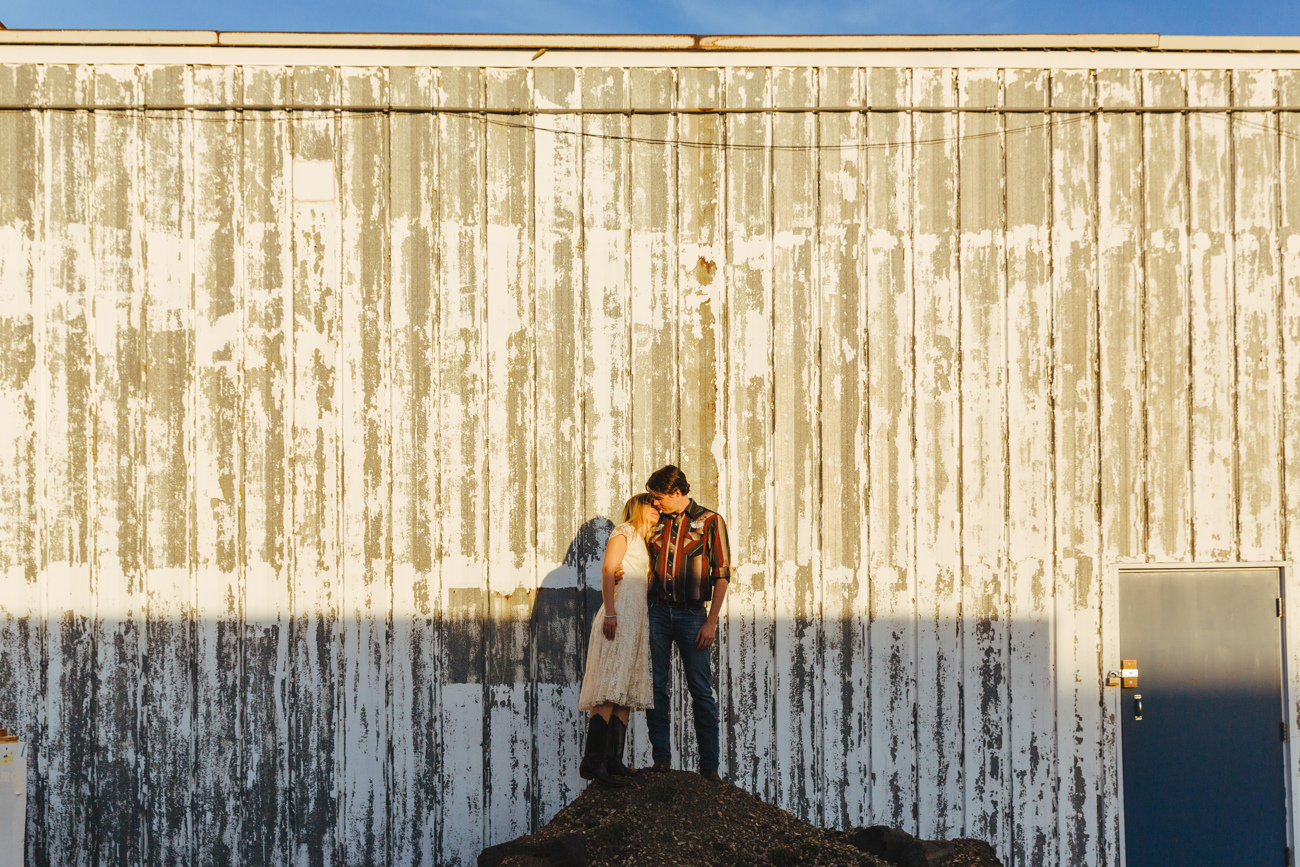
{"x": 1137, "y": 707}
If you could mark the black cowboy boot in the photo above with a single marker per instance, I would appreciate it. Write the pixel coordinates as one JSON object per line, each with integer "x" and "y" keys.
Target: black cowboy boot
{"x": 617, "y": 739}
{"x": 593, "y": 757}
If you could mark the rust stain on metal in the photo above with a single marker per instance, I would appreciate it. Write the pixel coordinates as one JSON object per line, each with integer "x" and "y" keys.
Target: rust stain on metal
{"x": 703, "y": 272}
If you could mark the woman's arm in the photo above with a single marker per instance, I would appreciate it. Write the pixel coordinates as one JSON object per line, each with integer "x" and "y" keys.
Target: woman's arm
{"x": 614, "y": 551}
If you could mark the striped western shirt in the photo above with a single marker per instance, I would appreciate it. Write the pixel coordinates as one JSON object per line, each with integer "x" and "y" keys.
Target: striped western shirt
{"x": 688, "y": 553}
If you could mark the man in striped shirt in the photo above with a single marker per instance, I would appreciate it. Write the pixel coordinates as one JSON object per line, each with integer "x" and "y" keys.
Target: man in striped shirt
{"x": 690, "y": 567}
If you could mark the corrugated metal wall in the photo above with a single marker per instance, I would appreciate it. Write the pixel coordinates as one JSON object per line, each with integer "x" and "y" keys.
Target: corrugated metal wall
{"x": 315, "y": 421}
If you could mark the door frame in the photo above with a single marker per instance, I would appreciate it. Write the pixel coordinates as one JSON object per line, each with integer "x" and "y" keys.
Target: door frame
{"x": 1289, "y": 591}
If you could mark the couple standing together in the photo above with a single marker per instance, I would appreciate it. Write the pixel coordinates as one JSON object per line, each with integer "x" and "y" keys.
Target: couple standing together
{"x": 665, "y": 574}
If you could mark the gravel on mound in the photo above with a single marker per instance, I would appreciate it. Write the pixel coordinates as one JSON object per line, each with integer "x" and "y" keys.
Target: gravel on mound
{"x": 676, "y": 818}
{"x": 897, "y": 847}
{"x": 968, "y": 852}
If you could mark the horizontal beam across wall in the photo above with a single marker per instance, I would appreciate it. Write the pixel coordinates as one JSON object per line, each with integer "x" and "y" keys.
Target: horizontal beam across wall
{"x": 822, "y": 109}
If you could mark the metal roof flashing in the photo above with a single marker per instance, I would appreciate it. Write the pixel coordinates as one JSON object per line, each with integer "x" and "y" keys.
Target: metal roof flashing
{"x": 1128, "y": 42}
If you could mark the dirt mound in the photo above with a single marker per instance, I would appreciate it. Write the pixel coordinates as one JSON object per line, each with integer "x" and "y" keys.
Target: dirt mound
{"x": 681, "y": 818}
{"x": 675, "y": 818}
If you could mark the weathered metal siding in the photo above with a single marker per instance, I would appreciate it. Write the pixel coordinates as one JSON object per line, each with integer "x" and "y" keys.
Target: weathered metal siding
{"x": 316, "y": 422}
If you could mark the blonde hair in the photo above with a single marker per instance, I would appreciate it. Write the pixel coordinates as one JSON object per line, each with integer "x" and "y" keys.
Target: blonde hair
{"x": 634, "y": 513}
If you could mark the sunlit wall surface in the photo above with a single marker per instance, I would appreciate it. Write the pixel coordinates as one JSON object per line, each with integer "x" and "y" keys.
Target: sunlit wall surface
{"x": 321, "y": 389}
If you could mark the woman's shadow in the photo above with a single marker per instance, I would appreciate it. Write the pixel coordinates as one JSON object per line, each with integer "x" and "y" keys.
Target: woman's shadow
{"x": 566, "y": 605}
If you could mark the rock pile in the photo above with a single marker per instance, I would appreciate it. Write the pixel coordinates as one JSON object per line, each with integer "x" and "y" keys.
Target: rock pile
{"x": 681, "y": 818}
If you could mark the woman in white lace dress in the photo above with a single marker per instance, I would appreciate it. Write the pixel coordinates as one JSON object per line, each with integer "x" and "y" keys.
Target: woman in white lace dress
{"x": 617, "y": 680}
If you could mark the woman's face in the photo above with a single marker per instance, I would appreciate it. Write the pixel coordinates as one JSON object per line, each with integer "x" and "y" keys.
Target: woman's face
{"x": 651, "y": 514}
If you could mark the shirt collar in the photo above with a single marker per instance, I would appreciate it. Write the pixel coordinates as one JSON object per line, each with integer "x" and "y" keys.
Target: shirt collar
{"x": 692, "y": 511}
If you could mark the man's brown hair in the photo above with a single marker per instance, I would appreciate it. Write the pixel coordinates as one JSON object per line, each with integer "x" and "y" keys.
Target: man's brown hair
{"x": 668, "y": 480}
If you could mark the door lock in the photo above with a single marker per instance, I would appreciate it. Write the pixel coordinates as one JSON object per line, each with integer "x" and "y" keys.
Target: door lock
{"x": 1129, "y": 673}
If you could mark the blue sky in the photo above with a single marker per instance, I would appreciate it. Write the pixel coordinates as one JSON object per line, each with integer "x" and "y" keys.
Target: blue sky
{"x": 1253, "y": 17}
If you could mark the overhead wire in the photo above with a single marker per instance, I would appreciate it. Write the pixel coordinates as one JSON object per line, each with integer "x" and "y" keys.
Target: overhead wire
{"x": 1054, "y": 117}
{"x": 773, "y": 146}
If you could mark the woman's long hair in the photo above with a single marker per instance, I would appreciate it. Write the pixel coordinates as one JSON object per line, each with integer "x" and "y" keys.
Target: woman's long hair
{"x": 636, "y": 513}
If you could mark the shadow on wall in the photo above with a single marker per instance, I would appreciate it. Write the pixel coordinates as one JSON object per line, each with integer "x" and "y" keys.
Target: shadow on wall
{"x": 566, "y": 604}
{"x": 524, "y": 635}
{"x": 181, "y": 729}
{"x": 270, "y": 736}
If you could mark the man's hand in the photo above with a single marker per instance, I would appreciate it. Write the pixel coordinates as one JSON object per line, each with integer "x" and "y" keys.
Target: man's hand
{"x": 608, "y": 627}
{"x": 704, "y": 638}
{"x": 618, "y": 576}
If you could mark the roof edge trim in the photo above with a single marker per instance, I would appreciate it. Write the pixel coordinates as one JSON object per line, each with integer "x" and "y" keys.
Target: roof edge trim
{"x": 251, "y": 39}
{"x": 1048, "y": 41}
{"x": 660, "y": 42}
{"x": 108, "y": 37}
{"x": 461, "y": 40}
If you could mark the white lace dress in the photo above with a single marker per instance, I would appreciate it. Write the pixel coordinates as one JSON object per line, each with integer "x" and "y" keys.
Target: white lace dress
{"x": 618, "y": 671}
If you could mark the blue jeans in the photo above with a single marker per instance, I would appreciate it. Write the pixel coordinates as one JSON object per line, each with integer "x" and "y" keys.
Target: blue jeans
{"x": 669, "y": 626}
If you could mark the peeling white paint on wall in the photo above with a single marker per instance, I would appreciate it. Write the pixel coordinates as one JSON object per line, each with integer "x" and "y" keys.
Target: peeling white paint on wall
{"x": 316, "y": 423}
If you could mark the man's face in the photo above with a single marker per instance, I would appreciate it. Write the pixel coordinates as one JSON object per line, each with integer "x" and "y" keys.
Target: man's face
{"x": 671, "y": 504}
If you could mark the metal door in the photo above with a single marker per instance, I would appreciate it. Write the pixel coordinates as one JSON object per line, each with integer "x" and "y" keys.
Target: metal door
{"x": 1201, "y": 718}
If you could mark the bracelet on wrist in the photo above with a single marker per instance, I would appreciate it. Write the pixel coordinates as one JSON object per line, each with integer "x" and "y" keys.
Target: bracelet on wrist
{"x": 610, "y": 616}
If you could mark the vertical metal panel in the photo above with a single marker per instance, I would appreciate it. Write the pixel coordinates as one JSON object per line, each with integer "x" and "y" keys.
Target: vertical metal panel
{"x": 982, "y": 483}
{"x": 606, "y": 380}
{"x": 510, "y": 416}
{"x": 843, "y": 743}
{"x": 1255, "y": 294}
{"x": 566, "y": 537}
{"x": 1031, "y": 596}
{"x": 365, "y": 529}
{"x": 1121, "y": 293}
{"x": 218, "y": 480}
{"x": 314, "y": 664}
{"x": 796, "y": 346}
{"x": 888, "y": 761}
{"x": 1075, "y": 325}
{"x": 460, "y": 461}
{"x": 169, "y": 455}
{"x": 940, "y": 687}
{"x": 1214, "y": 501}
{"x": 22, "y": 624}
{"x": 750, "y": 597}
{"x": 64, "y": 461}
{"x": 115, "y": 503}
{"x": 1166, "y": 326}
{"x": 265, "y": 258}
{"x": 652, "y": 271}
{"x": 413, "y": 686}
